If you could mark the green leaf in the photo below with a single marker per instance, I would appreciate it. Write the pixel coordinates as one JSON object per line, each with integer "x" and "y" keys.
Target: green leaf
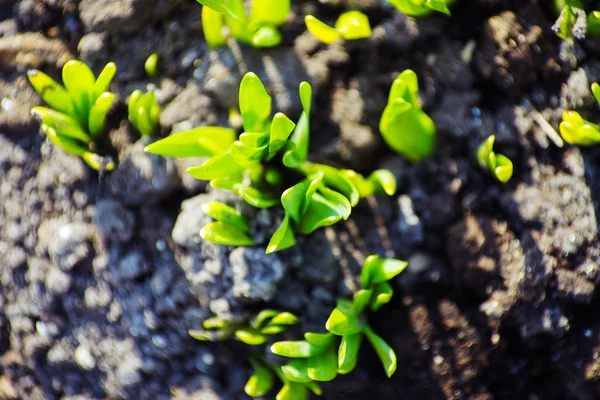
{"x": 484, "y": 151}
{"x": 252, "y": 139}
{"x": 224, "y": 213}
{"x": 262, "y": 318}
{"x": 218, "y": 5}
{"x": 319, "y": 339}
{"x": 336, "y": 179}
{"x": 323, "y": 367}
{"x": 69, "y": 145}
{"x": 104, "y": 80}
{"x": 362, "y": 299}
{"x": 212, "y": 27}
{"x": 238, "y": 26}
{"x": 97, "y": 162}
{"x": 79, "y": 81}
{"x": 266, "y": 36}
{"x": 296, "y": 349}
{"x": 217, "y": 323}
{"x": 383, "y": 270}
{"x": 251, "y": 336}
{"x": 438, "y": 5}
{"x": 273, "y": 330}
{"x": 221, "y": 166}
{"x": 98, "y": 113}
{"x": 383, "y": 181}
{"x": 296, "y": 371}
{"x": 211, "y": 336}
{"x": 292, "y": 391}
{"x": 371, "y": 262}
{"x": 281, "y": 128}
{"x": 271, "y": 12}
{"x": 353, "y": 25}
{"x": 284, "y": 318}
{"x": 504, "y": 168}
{"x": 321, "y": 31}
{"x": 343, "y": 320}
{"x": 63, "y": 124}
{"x": 255, "y": 103}
{"x": 383, "y": 350}
{"x": 225, "y": 234}
{"x": 261, "y": 381}
{"x": 132, "y": 107}
{"x": 51, "y": 92}
{"x": 198, "y": 142}
{"x": 297, "y": 147}
{"x": 151, "y": 65}
{"x": 255, "y": 197}
{"x": 246, "y": 156}
{"x": 320, "y": 212}
{"x": 294, "y": 199}
{"x": 341, "y": 203}
{"x": 348, "y": 353}
{"x": 382, "y": 294}
{"x": 595, "y": 86}
{"x": 283, "y": 238}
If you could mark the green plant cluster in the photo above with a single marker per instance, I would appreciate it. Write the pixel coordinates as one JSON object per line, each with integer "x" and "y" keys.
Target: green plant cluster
{"x": 261, "y": 164}
{"x": 144, "y": 112}
{"x": 576, "y": 19}
{"x": 260, "y": 29}
{"x": 499, "y": 165}
{"x": 418, "y": 8}
{"x": 351, "y": 25}
{"x": 320, "y": 357}
{"x": 405, "y": 127}
{"x": 75, "y": 122}
{"x": 576, "y": 130}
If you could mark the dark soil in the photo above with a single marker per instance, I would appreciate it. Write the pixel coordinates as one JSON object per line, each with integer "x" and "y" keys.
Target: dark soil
{"x": 101, "y": 277}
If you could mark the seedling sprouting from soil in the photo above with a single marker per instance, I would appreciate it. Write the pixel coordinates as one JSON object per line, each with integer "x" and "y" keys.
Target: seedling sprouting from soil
{"x": 261, "y": 163}
{"x": 499, "y": 165}
{"x": 404, "y": 125}
{"x": 144, "y": 112}
{"x": 75, "y": 122}
{"x": 151, "y": 65}
{"x": 351, "y": 25}
{"x": 260, "y": 29}
{"x": 417, "y": 8}
{"x": 576, "y": 130}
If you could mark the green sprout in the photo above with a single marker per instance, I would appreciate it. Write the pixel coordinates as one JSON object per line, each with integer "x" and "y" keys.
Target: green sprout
{"x": 262, "y": 163}
{"x": 351, "y": 25}
{"x": 404, "y": 125}
{"x": 418, "y": 8}
{"x": 572, "y": 21}
{"x": 76, "y": 120}
{"x": 576, "y": 130}
{"x": 320, "y": 357}
{"x": 151, "y": 65}
{"x": 144, "y": 112}
{"x": 260, "y": 29}
{"x": 499, "y": 165}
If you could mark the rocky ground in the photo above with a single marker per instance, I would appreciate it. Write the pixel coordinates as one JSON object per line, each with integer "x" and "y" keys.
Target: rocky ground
{"x": 101, "y": 277}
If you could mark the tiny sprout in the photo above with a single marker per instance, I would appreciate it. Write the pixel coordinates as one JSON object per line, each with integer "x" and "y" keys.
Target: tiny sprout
{"x": 404, "y": 125}
{"x": 351, "y": 25}
{"x": 230, "y": 226}
{"x": 151, "y": 65}
{"x": 576, "y": 130}
{"x": 418, "y": 8}
{"x": 144, "y": 112}
{"x": 322, "y": 356}
{"x": 76, "y": 120}
{"x": 499, "y": 165}
{"x": 260, "y": 29}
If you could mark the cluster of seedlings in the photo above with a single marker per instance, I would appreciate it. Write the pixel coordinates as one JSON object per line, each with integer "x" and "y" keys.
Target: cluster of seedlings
{"x": 267, "y": 165}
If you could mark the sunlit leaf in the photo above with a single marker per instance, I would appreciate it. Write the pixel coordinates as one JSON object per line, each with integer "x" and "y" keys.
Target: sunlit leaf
{"x": 383, "y": 350}
{"x": 353, "y": 25}
{"x": 198, "y": 142}
{"x": 266, "y": 36}
{"x": 255, "y": 103}
{"x": 63, "y": 124}
{"x": 348, "y": 353}
{"x": 292, "y": 391}
{"x": 212, "y": 27}
{"x": 283, "y": 238}
{"x": 227, "y": 214}
{"x": 269, "y": 12}
{"x": 255, "y": 197}
{"x": 67, "y": 144}
{"x": 323, "y": 368}
{"x": 261, "y": 381}
{"x": 383, "y": 181}
{"x": 343, "y": 320}
{"x": 296, "y": 370}
{"x": 104, "y": 80}
{"x": 382, "y": 294}
{"x": 297, "y": 147}
{"x": 284, "y": 318}
{"x": 321, "y": 31}
{"x": 251, "y": 336}
{"x": 361, "y": 300}
{"x": 98, "y": 113}
{"x": 221, "y": 233}
{"x": 51, "y": 92}
{"x": 319, "y": 339}
{"x": 281, "y": 128}
{"x": 221, "y": 166}
{"x": 320, "y": 212}
{"x": 296, "y": 349}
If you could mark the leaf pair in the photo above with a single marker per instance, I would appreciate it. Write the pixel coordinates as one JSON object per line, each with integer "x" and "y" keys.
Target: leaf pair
{"x": 576, "y": 130}
{"x": 259, "y": 30}
{"x": 144, "y": 112}
{"x": 499, "y": 165}
{"x": 351, "y": 25}
{"x": 77, "y": 116}
{"x": 230, "y": 227}
{"x": 404, "y": 126}
{"x": 262, "y": 381}
{"x": 418, "y": 8}
{"x": 266, "y": 323}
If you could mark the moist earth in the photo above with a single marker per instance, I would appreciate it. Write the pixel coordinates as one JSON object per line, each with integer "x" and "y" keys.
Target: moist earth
{"x": 102, "y": 276}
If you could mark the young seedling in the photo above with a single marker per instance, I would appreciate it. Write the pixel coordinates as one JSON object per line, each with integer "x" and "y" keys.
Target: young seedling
{"x": 320, "y": 357}
{"x": 404, "y": 125}
{"x": 418, "y": 8}
{"x": 259, "y": 29}
{"x": 262, "y": 161}
{"x": 572, "y": 21}
{"x": 151, "y": 65}
{"x": 144, "y": 112}
{"x": 75, "y": 122}
{"x": 351, "y": 25}
{"x": 576, "y": 130}
{"x": 499, "y": 165}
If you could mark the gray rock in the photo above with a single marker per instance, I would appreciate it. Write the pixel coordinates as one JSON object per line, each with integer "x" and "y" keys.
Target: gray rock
{"x": 93, "y": 49}
{"x": 84, "y": 358}
{"x": 113, "y": 221}
{"x": 57, "y": 281}
{"x": 132, "y": 266}
{"x": 192, "y": 106}
{"x": 129, "y": 371}
{"x": 255, "y": 274}
{"x": 409, "y": 225}
{"x": 70, "y": 245}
